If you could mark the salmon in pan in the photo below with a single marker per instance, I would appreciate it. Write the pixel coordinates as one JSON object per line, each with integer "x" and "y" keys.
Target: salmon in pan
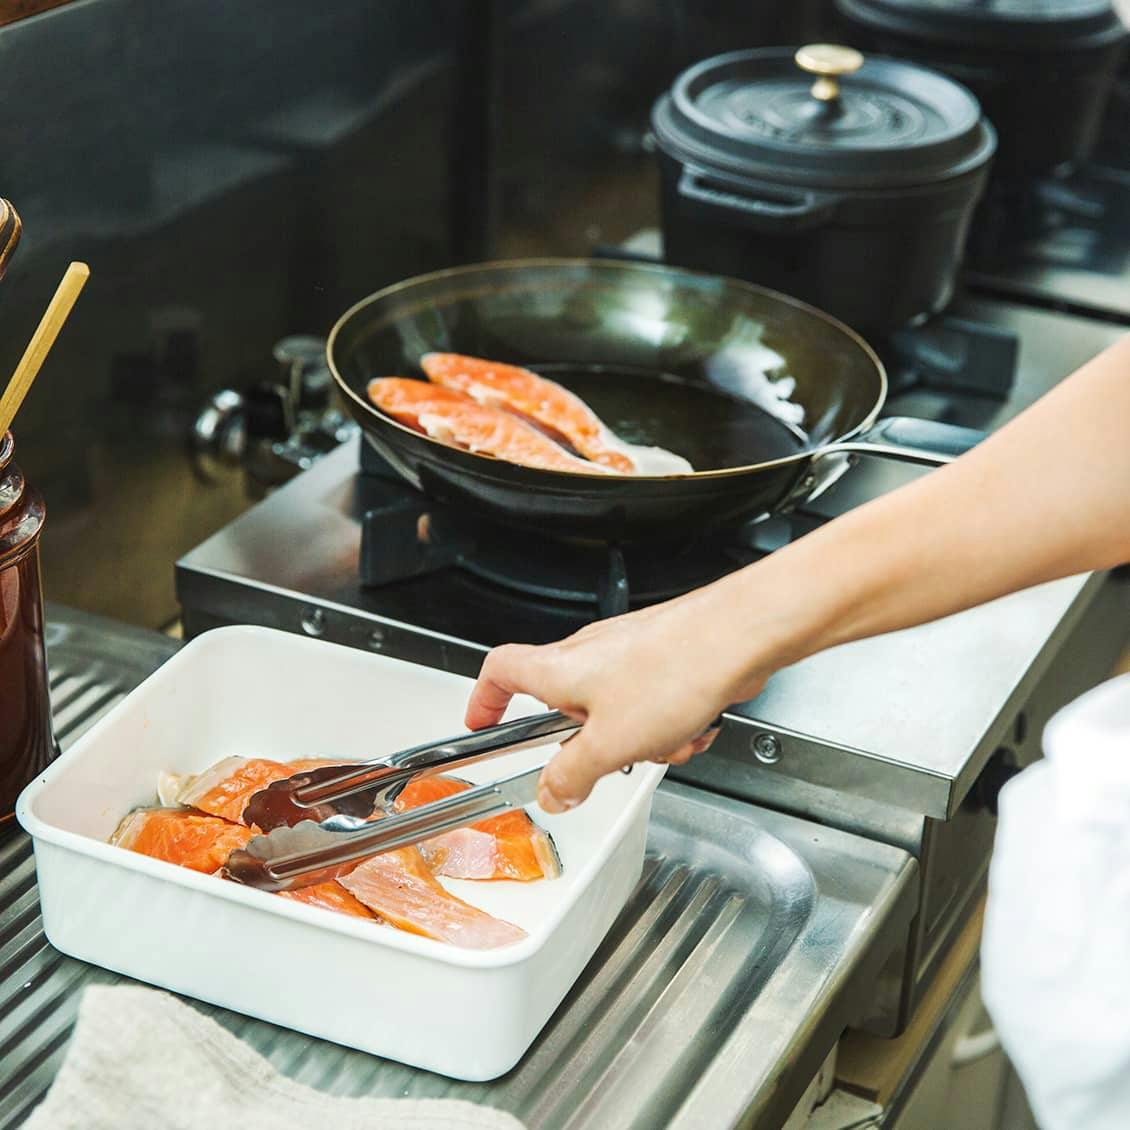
{"x": 456, "y": 419}
{"x": 553, "y": 408}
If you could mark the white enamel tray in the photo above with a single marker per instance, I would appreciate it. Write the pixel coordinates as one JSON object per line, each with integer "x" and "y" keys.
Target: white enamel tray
{"x": 250, "y": 691}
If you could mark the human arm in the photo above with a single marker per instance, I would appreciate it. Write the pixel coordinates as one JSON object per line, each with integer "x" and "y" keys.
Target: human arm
{"x": 1046, "y": 496}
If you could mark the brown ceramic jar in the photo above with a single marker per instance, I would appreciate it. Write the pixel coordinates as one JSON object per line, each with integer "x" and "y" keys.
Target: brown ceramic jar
{"x": 27, "y": 743}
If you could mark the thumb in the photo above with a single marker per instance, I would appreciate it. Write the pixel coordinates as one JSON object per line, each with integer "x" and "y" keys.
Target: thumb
{"x": 581, "y": 762}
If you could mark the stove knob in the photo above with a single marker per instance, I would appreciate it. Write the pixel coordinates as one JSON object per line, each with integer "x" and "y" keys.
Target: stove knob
{"x": 301, "y": 351}
{"x": 219, "y": 436}
{"x": 303, "y": 372}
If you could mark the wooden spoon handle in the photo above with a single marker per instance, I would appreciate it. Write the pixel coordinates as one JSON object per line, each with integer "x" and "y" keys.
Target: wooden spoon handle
{"x": 40, "y": 345}
{"x": 11, "y": 228}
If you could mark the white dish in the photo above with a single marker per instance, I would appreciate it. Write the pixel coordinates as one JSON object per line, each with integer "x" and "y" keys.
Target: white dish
{"x": 257, "y": 692}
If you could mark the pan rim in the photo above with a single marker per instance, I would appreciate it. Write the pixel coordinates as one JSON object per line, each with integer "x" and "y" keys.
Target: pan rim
{"x": 805, "y": 456}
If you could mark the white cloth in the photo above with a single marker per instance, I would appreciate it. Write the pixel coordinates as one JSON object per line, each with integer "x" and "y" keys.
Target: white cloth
{"x": 141, "y": 1059}
{"x": 1056, "y": 948}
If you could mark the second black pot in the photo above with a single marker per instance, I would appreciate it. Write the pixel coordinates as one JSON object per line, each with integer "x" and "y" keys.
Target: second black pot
{"x": 853, "y": 192}
{"x": 1041, "y": 71}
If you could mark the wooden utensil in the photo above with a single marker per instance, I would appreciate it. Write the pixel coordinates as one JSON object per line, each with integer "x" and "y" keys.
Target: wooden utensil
{"x": 11, "y": 227}
{"x": 42, "y": 340}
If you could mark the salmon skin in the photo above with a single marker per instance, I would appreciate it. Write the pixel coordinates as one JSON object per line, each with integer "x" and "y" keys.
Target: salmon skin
{"x": 507, "y": 846}
{"x": 552, "y": 407}
{"x": 398, "y": 886}
{"x": 188, "y": 839}
{"x": 460, "y": 421}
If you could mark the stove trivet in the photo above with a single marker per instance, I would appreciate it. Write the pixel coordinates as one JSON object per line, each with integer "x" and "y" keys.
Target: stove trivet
{"x": 404, "y": 535}
{"x": 948, "y": 354}
{"x": 1060, "y": 217}
{"x": 1059, "y": 242}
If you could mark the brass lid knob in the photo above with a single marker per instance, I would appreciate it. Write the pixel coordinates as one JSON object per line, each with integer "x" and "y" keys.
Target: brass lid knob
{"x": 829, "y": 61}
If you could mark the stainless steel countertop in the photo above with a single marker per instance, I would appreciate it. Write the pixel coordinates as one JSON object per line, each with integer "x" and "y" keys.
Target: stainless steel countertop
{"x": 751, "y": 941}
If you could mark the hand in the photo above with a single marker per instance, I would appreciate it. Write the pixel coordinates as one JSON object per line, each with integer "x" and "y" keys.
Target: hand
{"x": 1001, "y": 518}
{"x": 646, "y": 685}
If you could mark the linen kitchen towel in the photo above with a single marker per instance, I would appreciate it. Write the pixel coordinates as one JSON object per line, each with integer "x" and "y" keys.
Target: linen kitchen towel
{"x": 140, "y": 1058}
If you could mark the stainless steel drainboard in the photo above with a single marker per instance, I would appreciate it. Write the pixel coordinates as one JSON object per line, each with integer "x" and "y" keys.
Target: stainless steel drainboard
{"x": 746, "y": 948}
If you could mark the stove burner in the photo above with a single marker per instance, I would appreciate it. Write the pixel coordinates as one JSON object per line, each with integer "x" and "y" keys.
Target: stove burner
{"x": 405, "y": 534}
{"x": 410, "y": 536}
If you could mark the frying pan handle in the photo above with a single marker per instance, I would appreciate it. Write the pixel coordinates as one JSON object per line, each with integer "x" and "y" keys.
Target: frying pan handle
{"x": 745, "y": 204}
{"x": 911, "y": 441}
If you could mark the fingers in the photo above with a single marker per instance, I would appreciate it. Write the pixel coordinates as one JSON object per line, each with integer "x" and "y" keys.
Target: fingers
{"x": 506, "y": 672}
{"x": 679, "y": 757}
{"x": 584, "y": 759}
{"x": 685, "y": 752}
{"x": 569, "y": 777}
{"x": 703, "y": 742}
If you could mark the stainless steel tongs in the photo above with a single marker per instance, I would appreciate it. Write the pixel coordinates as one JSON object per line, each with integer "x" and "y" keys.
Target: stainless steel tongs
{"x": 319, "y": 823}
{"x": 361, "y": 787}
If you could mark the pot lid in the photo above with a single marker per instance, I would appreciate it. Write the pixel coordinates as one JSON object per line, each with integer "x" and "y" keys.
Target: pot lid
{"x": 1011, "y": 24}
{"x": 823, "y": 115}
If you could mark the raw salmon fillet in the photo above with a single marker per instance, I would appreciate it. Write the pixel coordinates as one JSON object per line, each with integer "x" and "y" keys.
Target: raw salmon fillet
{"x": 552, "y": 407}
{"x": 508, "y": 846}
{"x": 203, "y": 843}
{"x": 200, "y": 843}
{"x": 402, "y": 891}
{"x": 448, "y": 415}
{"x": 329, "y": 896}
{"x": 225, "y": 788}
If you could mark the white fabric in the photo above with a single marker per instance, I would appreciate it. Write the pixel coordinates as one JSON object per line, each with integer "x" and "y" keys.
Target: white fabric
{"x": 1056, "y": 947}
{"x": 141, "y": 1059}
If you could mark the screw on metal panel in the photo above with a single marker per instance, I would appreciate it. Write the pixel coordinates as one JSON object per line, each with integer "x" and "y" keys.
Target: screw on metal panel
{"x": 313, "y": 621}
{"x": 766, "y": 748}
{"x": 377, "y": 639}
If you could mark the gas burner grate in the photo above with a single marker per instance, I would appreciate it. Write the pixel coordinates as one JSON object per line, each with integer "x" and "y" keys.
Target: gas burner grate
{"x": 405, "y": 535}
{"x": 948, "y": 354}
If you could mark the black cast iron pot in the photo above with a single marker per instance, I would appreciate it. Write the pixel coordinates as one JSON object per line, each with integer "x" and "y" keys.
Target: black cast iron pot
{"x": 853, "y": 192}
{"x": 1041, "y": 69}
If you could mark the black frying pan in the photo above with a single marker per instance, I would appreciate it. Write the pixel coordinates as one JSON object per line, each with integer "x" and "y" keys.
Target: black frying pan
{"x": 701, "y": 365}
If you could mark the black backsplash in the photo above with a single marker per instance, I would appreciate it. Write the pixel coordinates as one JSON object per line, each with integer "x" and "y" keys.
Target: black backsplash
{"x": 237, "y": 172}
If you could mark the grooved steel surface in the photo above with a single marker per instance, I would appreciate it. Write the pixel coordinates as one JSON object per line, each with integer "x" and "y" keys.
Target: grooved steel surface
{"x": 743, "y": 952}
